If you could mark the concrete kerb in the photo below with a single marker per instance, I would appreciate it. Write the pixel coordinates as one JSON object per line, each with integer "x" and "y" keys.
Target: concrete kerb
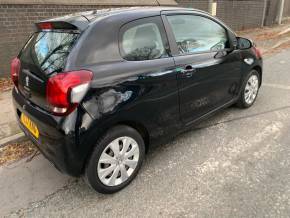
{"x": 14, "y": 138}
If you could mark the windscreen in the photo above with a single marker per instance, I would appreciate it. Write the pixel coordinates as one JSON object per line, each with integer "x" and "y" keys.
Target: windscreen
{"x": 48, "y": 50}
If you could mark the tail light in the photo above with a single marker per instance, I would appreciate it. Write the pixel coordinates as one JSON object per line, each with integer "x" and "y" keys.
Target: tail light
{"x": 45, "y": 26}
{"x": 55, "y": 25}
{"x": 14, "y": 70}
{"x": 64, "y": 91}
{"x": 257, "y": 52}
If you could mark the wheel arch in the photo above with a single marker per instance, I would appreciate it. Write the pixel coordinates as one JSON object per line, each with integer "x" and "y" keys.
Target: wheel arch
{"x": 139, "y": 127}
{"x": 259, "y": 70}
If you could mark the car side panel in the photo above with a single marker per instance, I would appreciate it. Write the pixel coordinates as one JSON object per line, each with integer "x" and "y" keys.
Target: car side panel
{"x": 214, "y": 83}
{"x": 149, "y": 98}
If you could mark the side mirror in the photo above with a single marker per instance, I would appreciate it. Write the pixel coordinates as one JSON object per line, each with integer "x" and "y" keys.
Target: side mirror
{"x": 244, "y": 43}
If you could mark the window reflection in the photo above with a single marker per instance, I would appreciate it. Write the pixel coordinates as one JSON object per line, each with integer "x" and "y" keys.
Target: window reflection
{"x": 197, "y": 34}
{"x": 143, "y": 42}
{"x": 52, "y": 49}
{"x": 48, "y": 51}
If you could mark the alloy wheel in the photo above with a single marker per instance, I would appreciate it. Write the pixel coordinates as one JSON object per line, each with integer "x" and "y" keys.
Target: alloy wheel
{"x": 118, "y": 161}
{"x": 251, "y": 89}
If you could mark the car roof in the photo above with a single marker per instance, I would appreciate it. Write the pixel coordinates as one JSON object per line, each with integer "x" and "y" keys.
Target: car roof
{"x": 82, "y": 19}
{"x": 135, "y": 10}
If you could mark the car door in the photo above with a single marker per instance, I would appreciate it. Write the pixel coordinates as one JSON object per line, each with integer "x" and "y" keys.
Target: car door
{"x": 209, "y": 71}
{"x": 145, "y": 50}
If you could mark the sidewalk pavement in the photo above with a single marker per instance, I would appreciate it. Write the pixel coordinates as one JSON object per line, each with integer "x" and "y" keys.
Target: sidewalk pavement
{"x": 25, "y": 182}
{"x": 36, "y": 178}
{"x": 9, "y": 130}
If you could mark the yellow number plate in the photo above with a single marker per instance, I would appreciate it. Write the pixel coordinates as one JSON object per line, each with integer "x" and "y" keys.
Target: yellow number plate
{"x": 29, "y": 125}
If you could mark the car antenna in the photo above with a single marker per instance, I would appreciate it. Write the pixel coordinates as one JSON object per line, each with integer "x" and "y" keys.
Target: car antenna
{"x": 158, "y": 3}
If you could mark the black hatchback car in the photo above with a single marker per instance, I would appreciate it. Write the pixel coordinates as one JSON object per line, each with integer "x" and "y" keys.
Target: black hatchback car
{"x": 95, "y": 90}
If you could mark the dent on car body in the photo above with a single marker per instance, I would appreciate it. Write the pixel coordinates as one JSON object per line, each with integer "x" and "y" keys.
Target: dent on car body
{"x": 106, "y": 102}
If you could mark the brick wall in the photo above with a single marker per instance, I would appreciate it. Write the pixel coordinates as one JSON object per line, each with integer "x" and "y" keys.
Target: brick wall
{"x": 287, "y": 9}
{"x": 272, "y": 11}
{"x": 240, "y": 14}
{"x": 198, "y": 4}
{"x": 17, "y": 20}
{"x": 16, "y": 24}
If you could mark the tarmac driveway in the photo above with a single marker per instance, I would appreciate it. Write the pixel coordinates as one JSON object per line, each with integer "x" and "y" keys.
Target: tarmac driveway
{"x": 237, "y": 164}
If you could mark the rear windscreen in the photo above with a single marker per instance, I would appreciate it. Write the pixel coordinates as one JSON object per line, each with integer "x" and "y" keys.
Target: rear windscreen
{"x": 48, "y": 50}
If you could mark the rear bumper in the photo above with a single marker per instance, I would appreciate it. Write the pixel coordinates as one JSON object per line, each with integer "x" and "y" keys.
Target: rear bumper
{"x": 57, "y": 141}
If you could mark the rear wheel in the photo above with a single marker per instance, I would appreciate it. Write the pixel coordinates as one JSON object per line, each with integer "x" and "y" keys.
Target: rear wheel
{"x": 116, "y": 160}
{"x": 250, "y": 90}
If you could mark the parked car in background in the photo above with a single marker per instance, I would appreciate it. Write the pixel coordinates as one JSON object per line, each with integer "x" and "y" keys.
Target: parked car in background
{"x": 95, "y": 90}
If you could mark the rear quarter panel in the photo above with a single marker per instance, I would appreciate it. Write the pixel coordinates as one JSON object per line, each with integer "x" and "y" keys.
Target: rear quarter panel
{"x": 142, "y": 92}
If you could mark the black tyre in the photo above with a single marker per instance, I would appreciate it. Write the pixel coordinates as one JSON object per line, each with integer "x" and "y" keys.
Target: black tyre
{"x": 116, "y": 160}
{"x": 250, "y": 90}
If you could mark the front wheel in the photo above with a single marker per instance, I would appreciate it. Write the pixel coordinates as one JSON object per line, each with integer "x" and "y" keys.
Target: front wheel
{"x": 116, "y": 160}
{"x": 250, "y": 90}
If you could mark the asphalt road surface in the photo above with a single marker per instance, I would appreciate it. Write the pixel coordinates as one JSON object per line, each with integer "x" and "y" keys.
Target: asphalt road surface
{"x": 236, "y": 164}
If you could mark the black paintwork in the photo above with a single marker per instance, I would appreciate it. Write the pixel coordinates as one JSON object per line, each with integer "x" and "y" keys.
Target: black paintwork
{"x": 157, "y": 97}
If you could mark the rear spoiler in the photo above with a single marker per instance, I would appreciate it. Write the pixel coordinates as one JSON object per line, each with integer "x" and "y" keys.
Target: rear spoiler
{"x": 55, "y": 25}
{"x": 68, "y": 22}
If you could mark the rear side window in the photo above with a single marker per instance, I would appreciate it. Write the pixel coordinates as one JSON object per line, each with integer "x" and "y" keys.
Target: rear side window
{"x": 49, "y": 50}
{"x": 195, "y": 34}
{"x": 143, "y": 40}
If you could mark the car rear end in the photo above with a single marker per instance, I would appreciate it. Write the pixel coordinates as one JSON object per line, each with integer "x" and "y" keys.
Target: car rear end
{"x": 46, "y": 98}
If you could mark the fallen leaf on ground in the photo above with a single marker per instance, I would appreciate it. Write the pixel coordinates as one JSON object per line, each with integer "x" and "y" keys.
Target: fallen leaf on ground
{"x": 16, "y": 151}
{"x": 278, "y": 49}
{"x": 6, "y": 84}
